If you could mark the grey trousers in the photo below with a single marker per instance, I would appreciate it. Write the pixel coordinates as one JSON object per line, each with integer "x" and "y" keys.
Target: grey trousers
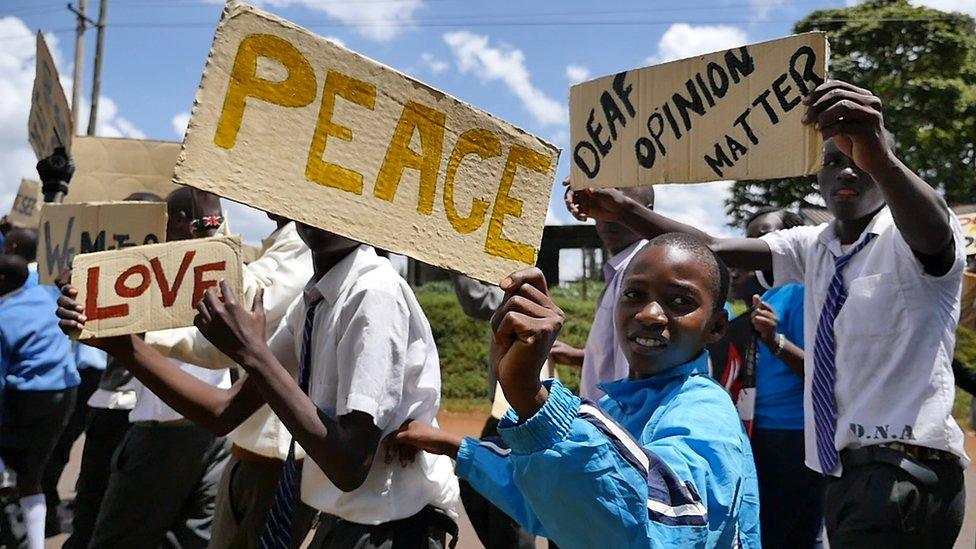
{"x": 409, "y": 533}
{"x": 244, "y": 498}
{"x": 881, "y": 506}
{"x": 162, "y": 488}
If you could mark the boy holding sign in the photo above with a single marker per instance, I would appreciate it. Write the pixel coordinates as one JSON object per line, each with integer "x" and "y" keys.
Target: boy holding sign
{"x": 881, "y": 307}
{"x": 364, "y": 358}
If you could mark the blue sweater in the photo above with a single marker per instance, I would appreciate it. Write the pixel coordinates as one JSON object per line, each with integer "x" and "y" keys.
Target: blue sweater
{"x": 661, "y": 462}
{"x": 34, "y": 354}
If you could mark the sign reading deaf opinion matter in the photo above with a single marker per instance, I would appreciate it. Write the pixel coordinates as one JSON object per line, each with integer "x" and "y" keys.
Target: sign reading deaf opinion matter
{"x": 733, "y": 114}
{"x": 291, "y": 123}
{"x": 153, "y": 287}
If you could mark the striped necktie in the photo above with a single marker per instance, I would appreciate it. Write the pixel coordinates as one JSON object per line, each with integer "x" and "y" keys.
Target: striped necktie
{"x": 277, "y": 528}
{"x": 824, "y": 366}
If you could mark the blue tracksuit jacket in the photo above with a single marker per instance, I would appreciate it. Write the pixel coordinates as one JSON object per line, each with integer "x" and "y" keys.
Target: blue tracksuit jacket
{"x": 661, "y": 462}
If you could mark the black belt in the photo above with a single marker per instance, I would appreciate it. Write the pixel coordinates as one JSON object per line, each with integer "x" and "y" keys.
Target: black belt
{"x": 430, "y": 517}
{"x": 857, "y": 457}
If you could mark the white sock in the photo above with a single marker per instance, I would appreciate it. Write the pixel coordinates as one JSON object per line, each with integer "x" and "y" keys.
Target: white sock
{"x": 35, "y": 512}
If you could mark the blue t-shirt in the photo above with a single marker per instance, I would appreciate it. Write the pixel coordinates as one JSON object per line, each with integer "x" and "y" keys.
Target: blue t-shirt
{"x": 779, "y": 392}
{"x": 34, "y": 354}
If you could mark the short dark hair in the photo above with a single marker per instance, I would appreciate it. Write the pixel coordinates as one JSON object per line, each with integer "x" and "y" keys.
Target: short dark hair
{"x": 15, "y": 271}
{"x": 718, "y": 272}
{"x": 789, "y": 218}
{"x": 25, "y": 241}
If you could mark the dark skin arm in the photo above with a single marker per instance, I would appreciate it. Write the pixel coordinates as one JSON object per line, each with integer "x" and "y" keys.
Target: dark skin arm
{"x": 564, "y": 353}
{"x": 764, "y": 320}
{"x": 853, "y": 118}
{"x": 343, "y": 448}
{"x": 217, "y": 410}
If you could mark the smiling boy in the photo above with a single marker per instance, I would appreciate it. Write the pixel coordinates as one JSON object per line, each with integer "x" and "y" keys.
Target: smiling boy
{"x": 663, "y": 460}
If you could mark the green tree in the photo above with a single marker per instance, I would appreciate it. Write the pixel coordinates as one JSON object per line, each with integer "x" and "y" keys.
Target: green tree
{"x": 921, "y": 62}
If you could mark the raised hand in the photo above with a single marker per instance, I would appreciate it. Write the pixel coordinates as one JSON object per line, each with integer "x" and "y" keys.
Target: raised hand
{"x": 601, "y": 204}
{"x": 233, "y": 329}
{"x": 413, "y": 436}
{"x": 71, "y": 315}
{"x": 764, "y": 320}
{"x": 524, "y": 329}
{"x": 853, "y": 118}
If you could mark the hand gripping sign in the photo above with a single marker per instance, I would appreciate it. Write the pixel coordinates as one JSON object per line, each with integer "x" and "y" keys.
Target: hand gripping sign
{"x": 732, "y": 114}
{"x": 152, "y": 287}
{"x": 291, "y": 123}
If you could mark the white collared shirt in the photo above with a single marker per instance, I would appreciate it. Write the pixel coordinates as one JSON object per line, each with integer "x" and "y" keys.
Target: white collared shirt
{"x": 149, "y": 407}
{"x": 372, "y": 352}
{"x": 283, "y": 268}
{"x": 895, "y": 336}
{"x": 603, "y": 359}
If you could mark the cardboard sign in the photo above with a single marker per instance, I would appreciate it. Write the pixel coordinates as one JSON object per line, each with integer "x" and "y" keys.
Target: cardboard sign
{"x": 112, "y": 169}
{"x": 26, "y": 211}
{"x": 732, "y": 114}
{"x": 49, "y": 125}
{"x": 154, "y": 287}
{"x": 968, "y": 222}
{"x": 67, "y": 230}
{"x": 293, "y": 124}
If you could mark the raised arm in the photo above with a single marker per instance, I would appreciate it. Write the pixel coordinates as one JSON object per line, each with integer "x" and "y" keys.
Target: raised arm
{"x": 852, "y": 117}
{"x": 218, "y": 410}
{"x": 613, "y": 205}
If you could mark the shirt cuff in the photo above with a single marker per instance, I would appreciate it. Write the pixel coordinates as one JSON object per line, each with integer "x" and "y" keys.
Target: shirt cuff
{"x": 544, "y": 429}
{"x": 465, "y": 457}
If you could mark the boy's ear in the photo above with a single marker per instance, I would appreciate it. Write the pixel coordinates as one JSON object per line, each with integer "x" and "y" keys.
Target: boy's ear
{"x": 717, "y": 326}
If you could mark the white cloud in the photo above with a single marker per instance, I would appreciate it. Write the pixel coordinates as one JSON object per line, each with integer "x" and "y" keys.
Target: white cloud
{"x": 180, "y": 122}
{"x": 507, "y": 64}
{"x": 380, "y": 21}
{"x": 252, "y": 224}
{"x": 577, "y": 73}
{"x": 962, "y": 6}
{"x": 701, "y": 206}
{"x": 435, "y": 65}
{"x": 682, "y": 40}
{"x": 762, "y": 8}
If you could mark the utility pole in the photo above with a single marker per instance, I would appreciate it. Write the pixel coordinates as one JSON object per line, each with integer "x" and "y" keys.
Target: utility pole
{"x": 97, "y": 78}
{"x": 76, "y": 83}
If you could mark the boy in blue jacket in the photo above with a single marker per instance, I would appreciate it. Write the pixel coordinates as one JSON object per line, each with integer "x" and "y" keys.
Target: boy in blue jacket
{"x": 662, "y": 461}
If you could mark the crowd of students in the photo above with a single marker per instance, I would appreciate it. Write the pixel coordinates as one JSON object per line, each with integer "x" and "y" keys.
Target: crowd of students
{"x": 310, "y": 403}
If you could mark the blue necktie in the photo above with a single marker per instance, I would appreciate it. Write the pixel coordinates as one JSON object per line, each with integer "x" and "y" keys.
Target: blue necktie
{"x": 824, "y": 366}
{"x": 277, "y": 528}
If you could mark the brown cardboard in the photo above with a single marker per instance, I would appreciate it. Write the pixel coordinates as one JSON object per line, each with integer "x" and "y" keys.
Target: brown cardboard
{"x": 968, "y": 222}
{"x": 154, "y": 287}
{"x": 49, "y": 124}
{"x": 310, "y": 135}
{"x": 26, "y": 210}
{"x": 67, "y": 230}
{"x": 706, "y": 118}
{"x": 109, "y": 168}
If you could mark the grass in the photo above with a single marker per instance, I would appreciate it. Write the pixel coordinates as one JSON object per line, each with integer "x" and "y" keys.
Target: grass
{"x": 463, "y": 345}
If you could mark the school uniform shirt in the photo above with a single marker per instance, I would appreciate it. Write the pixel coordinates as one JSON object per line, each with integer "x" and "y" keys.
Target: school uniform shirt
{"x": 895, "y": 336}
{"x": 602, "y": 358}
{"x": 282, "y": 269}
{"x": 372, "y": 352}
{"x": 35, "y": 355}
{"x": 779, "y": 391}
{"x": 660, "y": 462}
{"x": 149, "y": 407}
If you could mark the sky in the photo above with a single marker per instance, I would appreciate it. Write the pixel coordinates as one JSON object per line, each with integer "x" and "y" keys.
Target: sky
{"x": 513, "y": 59}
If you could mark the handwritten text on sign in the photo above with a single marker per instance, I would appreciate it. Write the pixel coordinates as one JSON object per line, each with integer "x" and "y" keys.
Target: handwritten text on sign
{"x": 49, "y": 124}
{"x": 26, "y": 211}
{"x": 968, "y": 222}
{"x": 70, "y": 229}
{"x": 152, "y": 287}
{"x": 293, "y": 124}
{"x": 725, "y": 115}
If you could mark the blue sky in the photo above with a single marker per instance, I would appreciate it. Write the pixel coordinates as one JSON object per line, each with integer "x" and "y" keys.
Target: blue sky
{"x": 513, "y": 59}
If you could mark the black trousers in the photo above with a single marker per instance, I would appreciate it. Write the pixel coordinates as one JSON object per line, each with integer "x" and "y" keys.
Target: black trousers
{"x": 77, "y": 424}
{"x": 790, "y": 494}
{"x": 880, "y": 505}
{"x": 105, "y": 432}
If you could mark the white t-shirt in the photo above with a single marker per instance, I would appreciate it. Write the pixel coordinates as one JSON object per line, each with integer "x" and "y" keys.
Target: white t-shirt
{"x": 895, "y": 336}
{"x": 150, "y": 407}
{"x": 373, "y": 352}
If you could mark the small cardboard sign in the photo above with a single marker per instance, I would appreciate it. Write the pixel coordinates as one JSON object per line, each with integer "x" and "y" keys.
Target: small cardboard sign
{"x": 732, "y": 114}
{"x": 155, "y": 287}
{"x": 67, "y": 230}
{"x": 109, "y": 168}
{"x": 968, "y": 222}
{"x": 26, "y": 211}
{"x": 291, "y": 123}
{"x": 49, "y": 124}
